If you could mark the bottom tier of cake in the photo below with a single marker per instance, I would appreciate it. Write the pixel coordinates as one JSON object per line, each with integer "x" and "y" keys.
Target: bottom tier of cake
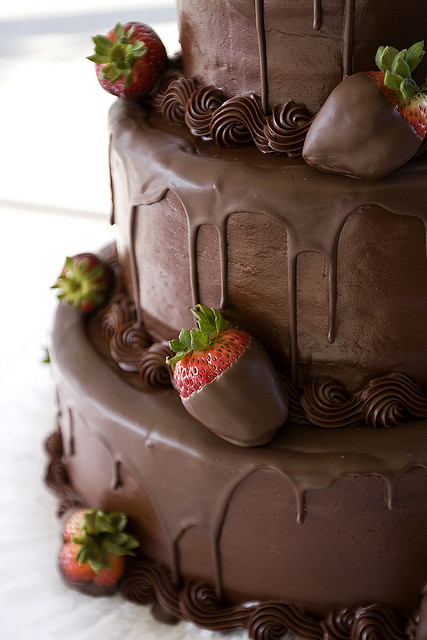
{"x": 322, "y": 533}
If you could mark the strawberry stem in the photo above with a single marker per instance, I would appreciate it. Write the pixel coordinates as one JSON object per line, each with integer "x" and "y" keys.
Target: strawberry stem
{"x": 398, "y": 67}
{"x": 103, "y": 534}
{"x": 119, "y": 55}
{"x": 210, "y": 323}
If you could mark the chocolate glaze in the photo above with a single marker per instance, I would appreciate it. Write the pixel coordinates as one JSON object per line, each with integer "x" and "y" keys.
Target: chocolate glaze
{"x": 341, "y": 486}
{"x": 294, "y": 287}
{"x": 325, "y": 529}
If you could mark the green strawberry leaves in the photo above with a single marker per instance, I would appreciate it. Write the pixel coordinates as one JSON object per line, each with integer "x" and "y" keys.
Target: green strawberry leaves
{"x": 118, "y": 56}
{"x": 210, "y": 323}
{"x": 85, "y": 282}
{"x": 209, "y": 320}
{"x": 398, "y": 67}
{"x": 102, "y": 535}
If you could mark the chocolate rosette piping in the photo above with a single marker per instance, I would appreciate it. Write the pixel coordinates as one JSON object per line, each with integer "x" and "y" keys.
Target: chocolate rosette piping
{"x": 273, "y": 621}
{"x": 287, "y": 127}
{"x": 199, "y": 605}
{"x": 175, "y": 99}
{"x": 232, "y": 122}
{"x": 159, "y": 91}
{"x": 56, "y": 475}
{"x": 53, "y": 444}
{"x": 377, "y": 622}
{"x": 338, "y": 625}
{"x": 237, "y": 122}
{"x": 200, "y": 108}
{"x": 389, "y": 399}
{"x": 120, "y": 311}
{"x": 145, "y": 581}
{"x": 296, "y": 412}
{"x": 153, "y": 370}
{"x": 127, "y": 346}
{"x": 68, "y": 500}
{"x": 326, "y": 404}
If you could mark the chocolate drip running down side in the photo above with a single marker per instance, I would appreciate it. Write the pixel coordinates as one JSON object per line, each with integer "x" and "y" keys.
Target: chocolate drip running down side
{"x": 196, "y": 482}
{"x": 289, "y": 195}
{"x": 317, "y": 25}
{"x": 262, "y": 51}
{"x": 145, "y": 582}
{"x": 348, "y": 37}
{"x": 317, "y": 14}
{"x": 290, "y": 50}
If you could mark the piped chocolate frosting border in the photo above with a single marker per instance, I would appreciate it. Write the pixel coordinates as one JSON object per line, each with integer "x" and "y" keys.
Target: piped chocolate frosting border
{"x": 231, "y": 122}
{"x": 146, "y": 582}
{"x": 384, "y": 402}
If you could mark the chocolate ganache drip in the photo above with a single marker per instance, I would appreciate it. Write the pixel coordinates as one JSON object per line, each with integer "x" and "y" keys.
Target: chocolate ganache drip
{"x": 232, "y": 122}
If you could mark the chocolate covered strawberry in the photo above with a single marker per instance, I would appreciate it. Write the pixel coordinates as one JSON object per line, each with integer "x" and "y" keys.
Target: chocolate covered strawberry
{"x": 227, "y": 381}
{"x": 85, "y": 282}
{"x": 129, "y": 59}
{"x": 94, "y": 548}
{"x": 373, "y": 122}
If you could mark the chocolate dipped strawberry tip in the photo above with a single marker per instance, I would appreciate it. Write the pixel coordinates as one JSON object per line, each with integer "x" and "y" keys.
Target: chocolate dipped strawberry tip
{"x": 373, "y": 122}
{"x": 129, "y": 59}
{"x": 85, "y": 282}
{"x": 227, "y": 381}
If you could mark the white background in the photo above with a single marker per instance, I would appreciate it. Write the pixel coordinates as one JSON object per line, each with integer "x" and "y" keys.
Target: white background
{"x": 54, "y": 201}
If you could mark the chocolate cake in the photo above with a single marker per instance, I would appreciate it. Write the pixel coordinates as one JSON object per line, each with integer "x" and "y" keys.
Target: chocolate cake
{"x": 321, "y": 530}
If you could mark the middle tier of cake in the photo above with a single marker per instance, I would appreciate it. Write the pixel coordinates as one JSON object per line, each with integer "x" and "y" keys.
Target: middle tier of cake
{"x": 327, "y": 272}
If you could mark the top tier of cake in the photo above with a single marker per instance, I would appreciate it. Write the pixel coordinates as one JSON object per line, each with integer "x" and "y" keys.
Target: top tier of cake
{"x": 291, "y": 49}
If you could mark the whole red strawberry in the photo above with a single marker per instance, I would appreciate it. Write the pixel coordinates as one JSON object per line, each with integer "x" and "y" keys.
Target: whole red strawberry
{"x": 72, "y": 524}
{"x": 85, "y": 282}
{"x": 129, "y": 59}
{"x": 374, "y": 122}
{"x": 94, "y": 548}
{"x": 227, "y": 381}
{"x": 73, "y": 570}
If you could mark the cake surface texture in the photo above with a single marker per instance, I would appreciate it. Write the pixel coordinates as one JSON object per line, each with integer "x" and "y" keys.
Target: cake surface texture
{"x": 317, "y": 527}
